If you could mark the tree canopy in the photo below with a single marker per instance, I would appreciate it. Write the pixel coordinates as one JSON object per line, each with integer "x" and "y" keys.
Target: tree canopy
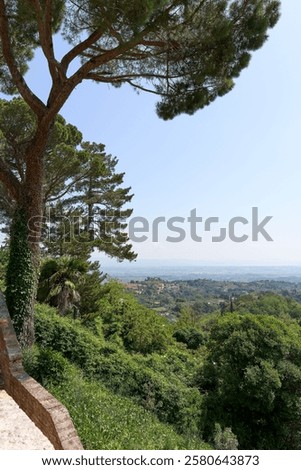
{"x": 186, "y": 51}
{"x": 252, "y": 380}
{"x": 83, "y": 197}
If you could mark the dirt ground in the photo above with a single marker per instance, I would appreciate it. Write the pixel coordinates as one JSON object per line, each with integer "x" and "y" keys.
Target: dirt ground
{"x": 17, "y": 431}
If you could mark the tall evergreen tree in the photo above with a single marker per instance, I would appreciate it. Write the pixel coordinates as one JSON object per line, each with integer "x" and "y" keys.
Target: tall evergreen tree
{"x": 89, "y": 213}
{"x": 81, "y": 188}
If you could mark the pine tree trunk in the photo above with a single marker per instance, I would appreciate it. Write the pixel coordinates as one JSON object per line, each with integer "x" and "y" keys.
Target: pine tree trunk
{"x": 21, "y": 280}
{"x": 24, "y": 258}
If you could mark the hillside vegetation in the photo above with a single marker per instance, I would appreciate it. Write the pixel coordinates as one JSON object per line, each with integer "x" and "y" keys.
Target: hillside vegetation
{"x": 223, "y": 380}
{"x": 112, "y": 392}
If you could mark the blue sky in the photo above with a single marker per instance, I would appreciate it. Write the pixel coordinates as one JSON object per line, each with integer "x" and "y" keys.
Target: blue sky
{"x": 241, "y": 152}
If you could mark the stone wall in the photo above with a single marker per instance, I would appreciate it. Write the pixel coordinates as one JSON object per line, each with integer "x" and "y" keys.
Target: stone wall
{"x": 50, "y": 416}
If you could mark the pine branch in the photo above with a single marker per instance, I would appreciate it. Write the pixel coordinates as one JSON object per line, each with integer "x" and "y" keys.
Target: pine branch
{"x": 80, "y": 48}
{"x": 45, "y": 34}
{"x": 29, "y": 97}
{"x": 65, "y": 191}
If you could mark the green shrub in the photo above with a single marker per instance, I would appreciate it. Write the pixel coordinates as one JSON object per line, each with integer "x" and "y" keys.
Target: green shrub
{"x": 192, "y": 337}
{"x": 141, "y": 329}
{"x": 224, "y": 439}
{"x": 176, "y": 361}
{"x": 162, "y": 393}
{"x": 268, "y": 304}
{"x": 68, "y": 336}
{"x": 102, "y": 419}
{"x": 168, "y": 397}
{"x": 46, "y": 365}
{"x": 252, "y": 379}
{"x": 106, "y": 421}
{"x": 144, "y": 331}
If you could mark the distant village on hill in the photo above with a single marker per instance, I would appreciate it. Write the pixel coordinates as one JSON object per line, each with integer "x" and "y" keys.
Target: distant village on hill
{"x": 203, "y": 295}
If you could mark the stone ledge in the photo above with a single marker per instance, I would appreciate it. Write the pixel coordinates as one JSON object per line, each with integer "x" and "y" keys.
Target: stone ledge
{"x": 48, "y": 414}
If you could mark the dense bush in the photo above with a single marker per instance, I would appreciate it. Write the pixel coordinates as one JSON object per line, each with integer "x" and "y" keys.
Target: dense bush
{"x": 46, "y": 366}
{"x": 175, "y": 361}
{"x": 107, "y": 421}
{"x": 268, "y": 304}
{"x": 102, "y": 419}
{"x": 141, "y": 329}
{"x": 252, "y": 380}
{"x": 192, "y": 337}
{"x": 68, "y": 336}
{"x": 164, "y": 394}
{"x": 161, "y": 392}
{"x": 224, "y": 439}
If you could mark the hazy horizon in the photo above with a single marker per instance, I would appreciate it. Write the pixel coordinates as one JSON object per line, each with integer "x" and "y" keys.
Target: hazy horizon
{"x": 170, "y": 272}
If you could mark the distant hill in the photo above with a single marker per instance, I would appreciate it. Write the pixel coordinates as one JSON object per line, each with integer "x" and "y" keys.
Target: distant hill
{"x": 233, "y": 273}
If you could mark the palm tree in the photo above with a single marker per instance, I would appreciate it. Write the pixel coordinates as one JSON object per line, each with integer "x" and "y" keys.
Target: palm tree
{"x": 58, "y": 283}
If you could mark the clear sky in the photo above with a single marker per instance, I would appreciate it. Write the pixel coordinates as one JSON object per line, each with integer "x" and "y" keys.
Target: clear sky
{"x": 241, "y": 152}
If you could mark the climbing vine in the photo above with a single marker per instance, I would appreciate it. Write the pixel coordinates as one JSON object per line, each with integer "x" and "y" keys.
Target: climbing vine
{"x": 20, "y": 280}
